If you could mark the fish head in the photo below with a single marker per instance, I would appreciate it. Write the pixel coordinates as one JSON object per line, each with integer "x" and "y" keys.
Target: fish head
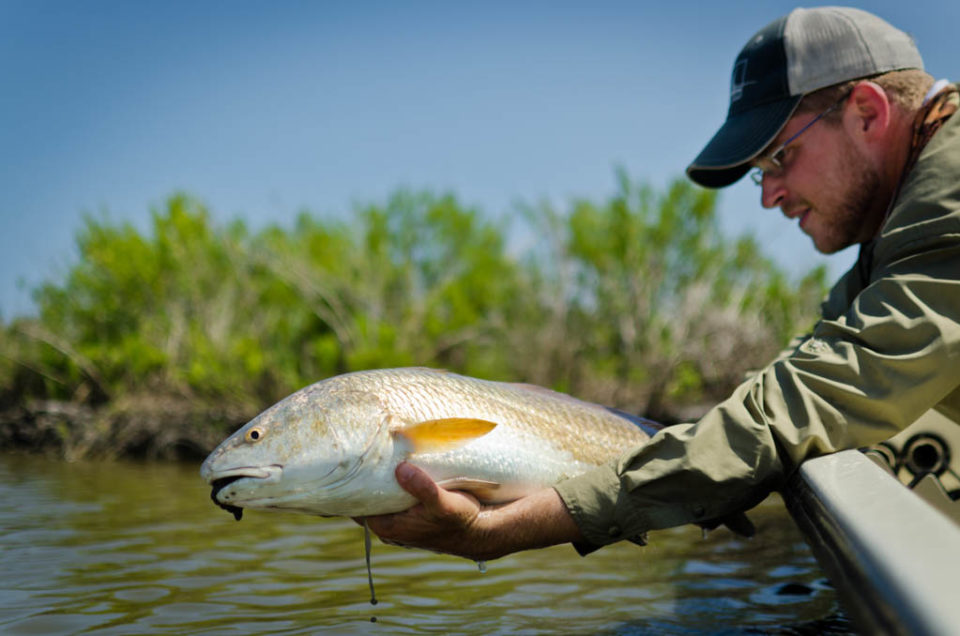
{"x": 287, "y": 456}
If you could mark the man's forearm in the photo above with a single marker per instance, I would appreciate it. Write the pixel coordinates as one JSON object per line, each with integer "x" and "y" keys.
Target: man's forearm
{"x": 536, "y": 521}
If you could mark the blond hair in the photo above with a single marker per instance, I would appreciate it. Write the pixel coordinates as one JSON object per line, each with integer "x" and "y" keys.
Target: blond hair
{"x": 905, "y": 89}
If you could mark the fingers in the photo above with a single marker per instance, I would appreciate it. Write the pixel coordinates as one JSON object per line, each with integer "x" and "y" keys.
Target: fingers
{"x": 380, "y": 525}
{"x": 740, "y": 524}
{"x": 419, "y": 484}
{"x": 737, "y": 522}
{"x": 442, "y": 520}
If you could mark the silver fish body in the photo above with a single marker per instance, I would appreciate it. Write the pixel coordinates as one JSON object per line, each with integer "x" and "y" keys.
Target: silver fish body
{"x": 331, "y": 448}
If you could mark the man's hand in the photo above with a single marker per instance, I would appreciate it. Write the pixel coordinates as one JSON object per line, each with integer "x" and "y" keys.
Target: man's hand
{"x": 456, "y": 523}
{"x": 443, "y": 521}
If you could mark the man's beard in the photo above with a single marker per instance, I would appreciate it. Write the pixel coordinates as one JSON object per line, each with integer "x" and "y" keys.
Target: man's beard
{"x": 860, "y": 212}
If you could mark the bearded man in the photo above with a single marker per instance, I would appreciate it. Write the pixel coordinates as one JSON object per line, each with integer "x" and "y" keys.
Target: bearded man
{"x": 843, "y": 131}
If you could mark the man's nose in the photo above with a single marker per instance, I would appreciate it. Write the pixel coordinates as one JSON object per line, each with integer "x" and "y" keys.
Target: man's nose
{"x": 772, "y": 191}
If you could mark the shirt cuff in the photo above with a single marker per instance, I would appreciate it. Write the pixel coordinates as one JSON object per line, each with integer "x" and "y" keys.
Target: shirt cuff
{"x": 588, "y": 500}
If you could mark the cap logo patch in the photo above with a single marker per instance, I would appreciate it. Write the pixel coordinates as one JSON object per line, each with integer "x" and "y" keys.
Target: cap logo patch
{"x": 739, "y": 80}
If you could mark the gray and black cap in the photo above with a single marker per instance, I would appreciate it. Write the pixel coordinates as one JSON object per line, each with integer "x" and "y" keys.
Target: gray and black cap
{"x": 804, "y": 51}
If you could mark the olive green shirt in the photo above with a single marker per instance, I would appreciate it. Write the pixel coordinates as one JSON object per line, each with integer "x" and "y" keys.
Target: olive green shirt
{"x": 886, "y": 349}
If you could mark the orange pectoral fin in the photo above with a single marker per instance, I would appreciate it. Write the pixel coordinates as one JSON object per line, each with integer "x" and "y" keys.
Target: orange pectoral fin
{"x": 444, "y": 434}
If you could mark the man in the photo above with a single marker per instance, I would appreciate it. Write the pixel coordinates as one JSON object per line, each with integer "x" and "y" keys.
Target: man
{"x": 845, "y": 132}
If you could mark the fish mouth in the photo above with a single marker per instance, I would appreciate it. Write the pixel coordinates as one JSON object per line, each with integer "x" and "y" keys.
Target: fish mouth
{"x": 222, "y": 478}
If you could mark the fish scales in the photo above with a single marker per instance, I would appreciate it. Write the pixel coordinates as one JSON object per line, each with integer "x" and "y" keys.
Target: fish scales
{"x": 331, "y": 448}
{"x": 523, "y": 407}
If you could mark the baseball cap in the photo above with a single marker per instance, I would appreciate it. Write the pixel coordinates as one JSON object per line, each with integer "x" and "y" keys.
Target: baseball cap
{"x": 801, "y": 52}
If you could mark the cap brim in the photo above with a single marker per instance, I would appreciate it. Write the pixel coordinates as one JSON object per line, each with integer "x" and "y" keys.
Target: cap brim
{"x": 725, "y": 158}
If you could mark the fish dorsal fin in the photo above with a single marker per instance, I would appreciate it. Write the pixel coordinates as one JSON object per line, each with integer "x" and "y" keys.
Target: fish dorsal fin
{"x": 444, "y": 434}
{"x": 484, "y": 489}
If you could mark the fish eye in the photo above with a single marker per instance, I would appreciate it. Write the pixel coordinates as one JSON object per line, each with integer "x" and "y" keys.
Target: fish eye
{"x": 255, "y": 434}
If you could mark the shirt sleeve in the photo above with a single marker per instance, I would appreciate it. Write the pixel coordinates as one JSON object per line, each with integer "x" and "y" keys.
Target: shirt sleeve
{"x": 860, "y": 377}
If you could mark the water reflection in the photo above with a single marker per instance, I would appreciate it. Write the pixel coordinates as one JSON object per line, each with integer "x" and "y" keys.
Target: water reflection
{"x": 119, "y": 548}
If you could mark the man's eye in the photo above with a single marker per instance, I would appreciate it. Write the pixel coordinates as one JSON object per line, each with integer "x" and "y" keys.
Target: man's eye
{"x": 778, "y": 157}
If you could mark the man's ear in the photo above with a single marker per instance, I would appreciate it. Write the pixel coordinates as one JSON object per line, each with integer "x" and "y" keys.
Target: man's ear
{"x": 867, "y": 114}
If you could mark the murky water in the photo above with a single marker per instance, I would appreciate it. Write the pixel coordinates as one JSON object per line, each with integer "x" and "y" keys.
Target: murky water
{"x": 124, "y": 548}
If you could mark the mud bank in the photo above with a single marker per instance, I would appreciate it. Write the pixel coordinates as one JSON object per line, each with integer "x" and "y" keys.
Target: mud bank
{"x": 146, "y": 427}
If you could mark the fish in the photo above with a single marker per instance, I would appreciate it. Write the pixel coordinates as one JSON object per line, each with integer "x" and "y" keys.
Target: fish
{"x": 330, "y": 449}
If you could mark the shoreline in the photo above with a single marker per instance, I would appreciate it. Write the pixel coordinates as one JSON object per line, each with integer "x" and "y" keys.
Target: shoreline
{"x": 138, "y": 428}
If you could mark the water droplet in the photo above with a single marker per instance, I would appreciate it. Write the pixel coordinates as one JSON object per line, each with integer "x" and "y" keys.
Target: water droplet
{"x": 482, "y": 565}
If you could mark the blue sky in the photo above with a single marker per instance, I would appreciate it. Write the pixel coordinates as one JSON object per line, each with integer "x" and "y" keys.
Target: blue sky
{"x": 264, "y": 109}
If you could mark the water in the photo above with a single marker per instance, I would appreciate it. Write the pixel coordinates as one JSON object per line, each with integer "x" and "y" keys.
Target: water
{"x": 125, "y": 548}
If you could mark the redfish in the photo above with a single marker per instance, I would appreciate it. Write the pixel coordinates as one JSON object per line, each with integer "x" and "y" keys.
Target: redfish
{"x": 331, "y": 448}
